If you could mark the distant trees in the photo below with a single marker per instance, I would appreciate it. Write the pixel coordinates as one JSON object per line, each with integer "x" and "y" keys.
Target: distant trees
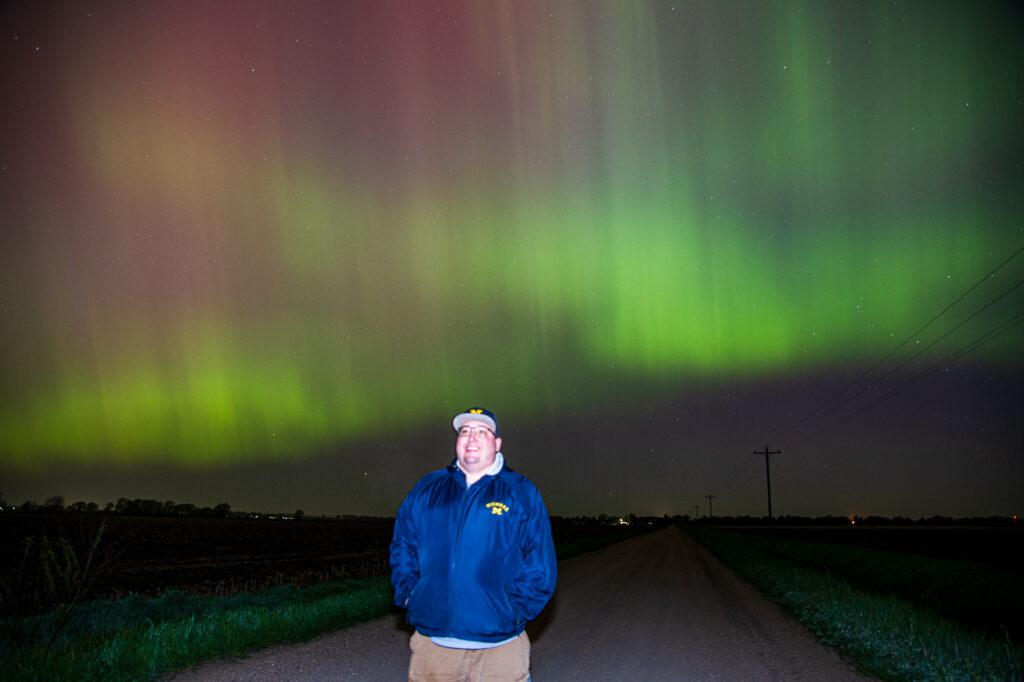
{"x": 125, "y": 507}
{"x": 53, "y": 504}
{"x": 183, "y": 509}
{"x": 138, "y": 507}
{"x": 141, "y": 507}
{"x": 612, "y": 520}
{"x": 81, "y": 507}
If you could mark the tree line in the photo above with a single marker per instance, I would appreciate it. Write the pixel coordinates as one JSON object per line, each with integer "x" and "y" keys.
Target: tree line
{"x": 135, "y": 507}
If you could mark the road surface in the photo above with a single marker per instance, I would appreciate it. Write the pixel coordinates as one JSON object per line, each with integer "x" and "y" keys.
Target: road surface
{"x": 657, "y": 607}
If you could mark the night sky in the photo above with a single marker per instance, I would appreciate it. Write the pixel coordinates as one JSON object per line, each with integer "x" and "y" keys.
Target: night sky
{"x": 261, "y": 252}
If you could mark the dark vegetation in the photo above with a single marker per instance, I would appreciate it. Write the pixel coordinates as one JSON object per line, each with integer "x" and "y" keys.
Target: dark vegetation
{"x": 90, "y": 595}
{"x": 143, "y": 638}
{"x": 995, "y": 545}
{"x": 900, "y": 615}
{"x": 60, "y": 555}
{"x": 949, "y": 571}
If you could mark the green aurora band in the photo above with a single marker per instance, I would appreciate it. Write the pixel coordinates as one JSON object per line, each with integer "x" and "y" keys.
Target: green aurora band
{"x": 243, "y": 244}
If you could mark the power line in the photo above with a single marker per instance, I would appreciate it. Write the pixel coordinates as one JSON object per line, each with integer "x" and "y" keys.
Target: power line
{"x": 745, "y": 466}
{"x": 813, "y": 415}
{"x": 946, "y": 361}
{"x": 977, "y": 343}
{"x": 920, "y": 352}
{"x": 985, "y": 307}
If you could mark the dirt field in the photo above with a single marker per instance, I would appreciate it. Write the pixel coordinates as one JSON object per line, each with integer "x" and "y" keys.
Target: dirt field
{"x": 147, "y": 555}
{"x": 210, "y": 556}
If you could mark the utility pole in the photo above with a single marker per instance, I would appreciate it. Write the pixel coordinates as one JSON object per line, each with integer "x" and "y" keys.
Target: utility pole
{"x": 711, "y": 512}
{"x": 768, "y": 476}
{"x": 697, "y": 514}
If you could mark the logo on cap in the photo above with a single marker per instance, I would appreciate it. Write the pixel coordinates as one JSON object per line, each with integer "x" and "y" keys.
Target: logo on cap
{"x": 476, "y": 413}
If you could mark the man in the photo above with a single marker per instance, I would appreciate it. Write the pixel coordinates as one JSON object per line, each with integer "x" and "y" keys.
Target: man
{"x": 472, "y": 560}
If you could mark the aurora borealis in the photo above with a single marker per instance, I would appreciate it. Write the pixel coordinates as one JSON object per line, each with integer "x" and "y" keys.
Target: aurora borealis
{"x": 261, "y": 251}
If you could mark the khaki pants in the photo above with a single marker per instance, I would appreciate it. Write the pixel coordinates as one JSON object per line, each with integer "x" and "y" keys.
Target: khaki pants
{"x": 433, "y": 663}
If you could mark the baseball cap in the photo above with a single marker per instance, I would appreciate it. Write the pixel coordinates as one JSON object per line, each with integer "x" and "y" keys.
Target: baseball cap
{"x": 476, "y": 414}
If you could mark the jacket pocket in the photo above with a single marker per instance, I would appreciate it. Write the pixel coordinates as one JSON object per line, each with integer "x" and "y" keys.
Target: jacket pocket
{"x": 415, "y": 594}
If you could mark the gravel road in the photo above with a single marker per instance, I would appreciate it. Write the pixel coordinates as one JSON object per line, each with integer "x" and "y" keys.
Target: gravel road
{"x": 658, "y": 607}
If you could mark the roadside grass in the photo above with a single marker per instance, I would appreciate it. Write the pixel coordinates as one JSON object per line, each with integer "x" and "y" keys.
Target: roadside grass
{"x": 139, "y": 638}
{"x": 896, "y": 616}
{"x": 142, "y": 638}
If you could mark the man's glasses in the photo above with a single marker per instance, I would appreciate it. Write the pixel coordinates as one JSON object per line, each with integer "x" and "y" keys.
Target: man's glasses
{"x": 478, "y": 431}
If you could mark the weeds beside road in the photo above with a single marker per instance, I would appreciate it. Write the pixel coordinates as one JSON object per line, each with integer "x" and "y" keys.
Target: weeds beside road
{"x": 882, "y": 609}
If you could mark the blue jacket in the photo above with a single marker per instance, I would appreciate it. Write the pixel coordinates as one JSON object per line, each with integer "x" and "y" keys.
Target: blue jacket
{"x": 474, "y": 563}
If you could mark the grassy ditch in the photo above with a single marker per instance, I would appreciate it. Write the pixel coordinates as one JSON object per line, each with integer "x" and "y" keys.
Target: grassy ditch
{"x": 144, "y": 638}
{"x": 897, "y": 616}
{"x": 141, "y": 638}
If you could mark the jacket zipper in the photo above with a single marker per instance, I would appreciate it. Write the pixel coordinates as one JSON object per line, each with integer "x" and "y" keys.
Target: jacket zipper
{"x": 467, "y": 493}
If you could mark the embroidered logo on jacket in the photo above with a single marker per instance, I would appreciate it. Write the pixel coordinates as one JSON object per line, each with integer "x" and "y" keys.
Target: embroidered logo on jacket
{"x": 497, "y": 508}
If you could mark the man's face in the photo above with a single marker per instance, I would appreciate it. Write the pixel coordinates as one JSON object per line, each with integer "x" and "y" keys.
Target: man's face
{"x": 475, "y": 448}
